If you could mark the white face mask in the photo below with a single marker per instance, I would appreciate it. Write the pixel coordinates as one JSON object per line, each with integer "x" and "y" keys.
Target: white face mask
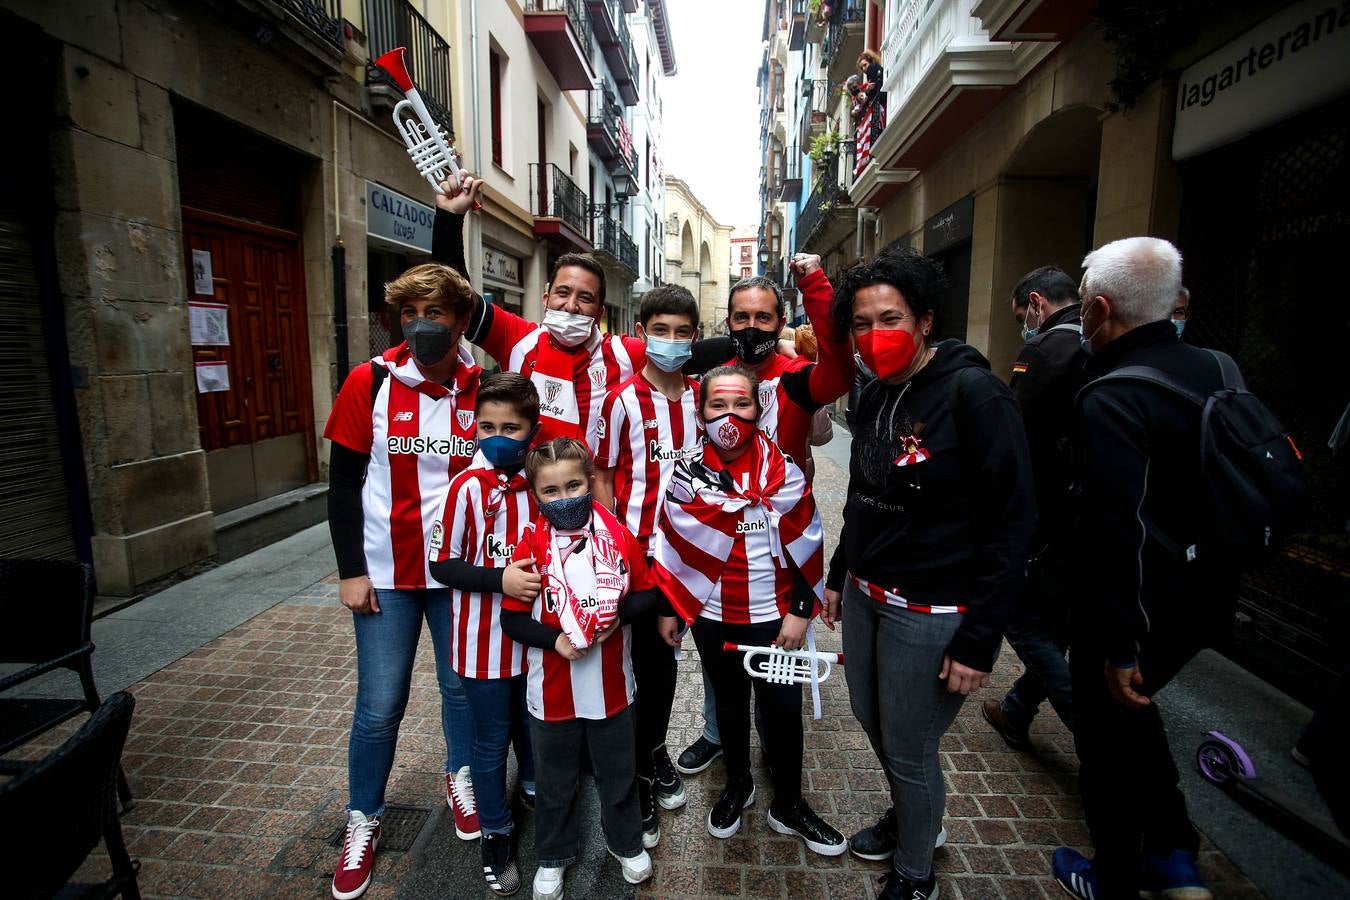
{"x": 568, "y": 329}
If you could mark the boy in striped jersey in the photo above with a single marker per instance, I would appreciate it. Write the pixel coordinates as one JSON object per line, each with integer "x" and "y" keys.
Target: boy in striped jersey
{"x": 487, "y": 509}
{"x": 595, "y": 581}
{"x": 648, "y": 424}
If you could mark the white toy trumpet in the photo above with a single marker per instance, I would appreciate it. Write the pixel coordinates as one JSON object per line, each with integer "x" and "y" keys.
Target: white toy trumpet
{"x": 431, "y": 152}
{"x": 778, "y": 666}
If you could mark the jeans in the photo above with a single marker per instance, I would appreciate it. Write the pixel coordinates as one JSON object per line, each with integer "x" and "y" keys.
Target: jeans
{"x": 780, "y": 703}
{"x": 710, "y": 711}
{"x": 1038, "y": 633}
{"x": 500, "y": 720}
{"x": 894, "y": 657}
{"x": 654, "y": 671}
{"x": 557, "y": 752}
{"x": 1126, "y": 774}
{"x": 386, "y": 646}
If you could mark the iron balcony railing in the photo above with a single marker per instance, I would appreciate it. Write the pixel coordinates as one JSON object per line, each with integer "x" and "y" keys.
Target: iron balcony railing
{"x": 829, "y": 191}
{"x": 845, "y": 12}
{"x": 612, "y": 238}
{"x": 815, "y": 111}
{"x": 555, "y": 196}
{"x": 603, "y": 111}
{"x": 323, "y": 17}
{"x": 577, "y": 17}
{"x": 394, "y": 23}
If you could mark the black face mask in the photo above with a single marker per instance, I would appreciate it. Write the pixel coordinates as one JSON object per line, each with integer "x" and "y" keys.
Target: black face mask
{"x": 753, "y": 345}
{"x": 429, "y": 341}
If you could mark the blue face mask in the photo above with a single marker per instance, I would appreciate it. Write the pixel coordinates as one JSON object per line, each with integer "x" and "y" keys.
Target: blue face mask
{"x": 1028, "y": 332}
{"x": 505, "y": 452}
{"x": 570, "y": 512}
{"x": 1180, "y": 325}
{"x": 668, "y": 355}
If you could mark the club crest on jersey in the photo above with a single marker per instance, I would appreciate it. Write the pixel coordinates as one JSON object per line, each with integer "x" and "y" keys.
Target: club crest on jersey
{"x": 598, "y": 376}
{"x": 551, "y": 390}
{"x": 497, "y": 549}
{"x": 464, "y": 417}
{"x": 404, "y": 416}
{"x": 766, "y": 393}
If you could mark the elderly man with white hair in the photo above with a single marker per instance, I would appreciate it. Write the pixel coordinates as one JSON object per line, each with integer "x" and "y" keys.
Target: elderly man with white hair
{"x": 1143, "y": 609}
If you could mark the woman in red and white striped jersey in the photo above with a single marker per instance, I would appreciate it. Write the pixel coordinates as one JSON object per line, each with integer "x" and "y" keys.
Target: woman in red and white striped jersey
{"x": 738, "y": 530}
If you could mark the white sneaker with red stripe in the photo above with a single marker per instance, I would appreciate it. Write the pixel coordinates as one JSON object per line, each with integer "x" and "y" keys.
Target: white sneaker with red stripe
{"x": 459, "y": 795}
{"x": 358, "y": 856}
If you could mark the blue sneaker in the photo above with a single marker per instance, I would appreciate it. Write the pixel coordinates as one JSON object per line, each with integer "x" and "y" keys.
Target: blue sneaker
{"x": 1173, "y": 878}
{"x": 1073, "y": 872}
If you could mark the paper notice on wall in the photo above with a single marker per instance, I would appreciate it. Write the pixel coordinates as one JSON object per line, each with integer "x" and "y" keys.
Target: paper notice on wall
{"x": 212, "y": 377}
{"x": 209, "y": 324}
{"x": 202, "y": 282}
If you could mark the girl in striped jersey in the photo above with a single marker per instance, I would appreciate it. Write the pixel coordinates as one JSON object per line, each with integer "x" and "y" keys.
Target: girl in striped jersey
{"x": 595, "y": 581}
{"x": 401, "y": 427}
{"x": 487, "y": 509}
{"x": 738, "y": 530}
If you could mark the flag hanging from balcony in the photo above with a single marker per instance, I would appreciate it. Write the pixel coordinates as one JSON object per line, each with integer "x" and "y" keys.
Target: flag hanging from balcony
{"x": 625, "y": 142}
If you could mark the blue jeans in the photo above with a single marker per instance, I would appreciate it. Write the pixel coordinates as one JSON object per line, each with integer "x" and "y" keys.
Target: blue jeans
{"x": 386, "y": 647}
{"x": 889, "y": 647}
{"x": 499, "y": 720}
{"x": 710, "y": 731}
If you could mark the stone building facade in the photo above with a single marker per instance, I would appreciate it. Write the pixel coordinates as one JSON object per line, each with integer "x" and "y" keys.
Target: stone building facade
{"x": 697, "y": 247}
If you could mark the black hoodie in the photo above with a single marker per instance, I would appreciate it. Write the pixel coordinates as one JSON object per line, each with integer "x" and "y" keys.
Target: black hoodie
{"x": 957, "y": 527}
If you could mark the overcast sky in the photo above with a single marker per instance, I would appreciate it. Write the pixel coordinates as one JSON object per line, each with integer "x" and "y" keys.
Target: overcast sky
{"x": 712, "y": 105}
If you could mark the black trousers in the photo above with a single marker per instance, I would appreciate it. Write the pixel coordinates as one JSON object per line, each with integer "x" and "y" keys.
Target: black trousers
{"x": 654, "y": 671}
{"x": 779, "y": 704}
{"x": 1126, "y": 774}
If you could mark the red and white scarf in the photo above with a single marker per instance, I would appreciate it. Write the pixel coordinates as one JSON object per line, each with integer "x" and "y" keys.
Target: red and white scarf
{"x": 583, "y": 609}
{"x": 703, "y": 508}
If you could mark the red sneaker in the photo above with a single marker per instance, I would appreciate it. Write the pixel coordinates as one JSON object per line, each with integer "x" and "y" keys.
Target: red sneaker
{"x": 358, "y": 856}
{"x": 459, "y": 794}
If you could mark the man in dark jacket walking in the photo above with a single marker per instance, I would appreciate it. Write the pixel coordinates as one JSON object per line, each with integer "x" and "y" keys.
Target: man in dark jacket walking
{"x": 1139, "y": 612}
{"x": 1045, "y": 377}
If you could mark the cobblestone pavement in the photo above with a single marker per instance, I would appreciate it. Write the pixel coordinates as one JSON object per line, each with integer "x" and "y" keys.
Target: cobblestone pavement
{"x": 237, "y": 758}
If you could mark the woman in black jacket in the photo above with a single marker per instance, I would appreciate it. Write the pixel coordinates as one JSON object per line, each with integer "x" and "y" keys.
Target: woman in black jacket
{"x": 937, "y": 530}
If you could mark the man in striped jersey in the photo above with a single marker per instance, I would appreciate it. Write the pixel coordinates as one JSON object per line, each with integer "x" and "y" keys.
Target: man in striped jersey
{"x": 648, "y": 424}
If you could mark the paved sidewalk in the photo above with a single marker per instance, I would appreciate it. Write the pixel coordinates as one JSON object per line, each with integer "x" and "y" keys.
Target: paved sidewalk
{"x": 237, "y": 758}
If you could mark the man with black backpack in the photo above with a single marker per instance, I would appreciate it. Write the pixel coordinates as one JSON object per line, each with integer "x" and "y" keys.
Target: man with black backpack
{"x": 1184, "y": 477}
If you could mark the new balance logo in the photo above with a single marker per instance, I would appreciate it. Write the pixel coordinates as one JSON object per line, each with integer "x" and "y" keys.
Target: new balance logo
{"x": 405, "y": 416}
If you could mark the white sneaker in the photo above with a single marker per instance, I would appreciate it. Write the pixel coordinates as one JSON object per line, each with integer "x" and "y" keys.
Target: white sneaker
{"x": 941, "y": 838}
{"x": 548, "y": 882}
{"x": 636, "y": 869}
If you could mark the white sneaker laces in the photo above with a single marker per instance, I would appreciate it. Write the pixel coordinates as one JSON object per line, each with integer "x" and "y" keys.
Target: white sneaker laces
{"x": 461, "y": 786}
{"x": 359, "y": 834}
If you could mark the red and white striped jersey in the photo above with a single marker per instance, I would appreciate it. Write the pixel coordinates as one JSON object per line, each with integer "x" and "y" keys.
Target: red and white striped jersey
{"x": 418, "y": 435}
{"x": 600, "y": 684}
{"x": 894, "y": 598}
{"x": 572, "y": 384}
{"x": 486, "y": 514}
{"x": 642, "y": 434}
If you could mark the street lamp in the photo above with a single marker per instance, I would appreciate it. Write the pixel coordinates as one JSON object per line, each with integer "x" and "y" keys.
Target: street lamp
{"x": 625, "y": 185}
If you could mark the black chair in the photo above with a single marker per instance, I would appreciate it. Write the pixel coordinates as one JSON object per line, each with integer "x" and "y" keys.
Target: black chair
{"x": 47, "y": 607}
{"x": 53, "y": 814}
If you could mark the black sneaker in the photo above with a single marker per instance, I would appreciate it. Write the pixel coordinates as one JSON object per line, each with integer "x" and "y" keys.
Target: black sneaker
{"x": 895, "y": 886}
{"x": 526, "y": 798}
{"x": 724, "y": 819}
{"x": 801, "y": 821}
{"x": 878, "y": 841}
{"x": 698, "y": 756}
{"x": 499, "y": 863}
{"x": 669, "y": 786}
{"x": 651, "y": 824}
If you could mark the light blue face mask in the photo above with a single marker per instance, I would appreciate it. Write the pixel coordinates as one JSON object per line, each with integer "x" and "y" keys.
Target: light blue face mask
{"x": 1180, "y": 325}
{"x": 1027, "y": 332}
{"x": 669, "y": 355}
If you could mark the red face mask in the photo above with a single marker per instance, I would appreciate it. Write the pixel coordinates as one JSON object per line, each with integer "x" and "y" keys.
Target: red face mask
{"x": 730, "y": 431}
{"x": 887, "y": 352}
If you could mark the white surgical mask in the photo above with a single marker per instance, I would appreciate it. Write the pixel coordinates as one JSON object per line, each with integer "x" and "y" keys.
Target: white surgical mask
{"x": 568, "y": 329}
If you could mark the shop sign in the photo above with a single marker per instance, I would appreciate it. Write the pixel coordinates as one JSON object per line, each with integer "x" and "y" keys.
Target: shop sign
{"x": 500, "y": 267}
{"x": 400, "y": 220}
{"x": 954, "y": 225}
{"x": 1291, "y": 62}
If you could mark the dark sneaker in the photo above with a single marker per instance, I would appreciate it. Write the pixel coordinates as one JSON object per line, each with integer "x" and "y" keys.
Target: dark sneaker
{"x": 651, "y": 825}
{"x": 1073, "y": 872}
{"x": 1173, "y": 878}
{"x": 526, "y": 797}
{"x": 499, "y": 863}
{"x": 895, "y": 886}
{"x": 1014, "y": 737}
{"x": 698, "y": 756}
{"x": 801, "y": 821}
{"x": 878, "y": 841}
{"x": 725, "y": 818}
{"x": 668, "y": 786}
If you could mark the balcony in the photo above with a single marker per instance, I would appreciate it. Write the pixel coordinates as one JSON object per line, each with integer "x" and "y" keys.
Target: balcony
{"x": 797, "y": 27}
{"x": 394, "y": 23}
{"x": 613, "y": 246}
{"x": 611, "y": 30}
{"x": 790, "y": 176}
{"x": 323, "y": 18}
{"x": 560, "y": 31}
{"x": 827, "y": 216}
{"x": 843, "y": 34}
{"x": 606, "y": 131}
{"x": 815, "y": 111}
{"x": 561, "y": 213}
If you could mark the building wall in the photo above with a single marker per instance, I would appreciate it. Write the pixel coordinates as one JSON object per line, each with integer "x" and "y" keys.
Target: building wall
{"x": 697, "y": 247}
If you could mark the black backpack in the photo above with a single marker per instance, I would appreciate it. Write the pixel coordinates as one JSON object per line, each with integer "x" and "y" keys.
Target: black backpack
{"x": 1250, "y": 464}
